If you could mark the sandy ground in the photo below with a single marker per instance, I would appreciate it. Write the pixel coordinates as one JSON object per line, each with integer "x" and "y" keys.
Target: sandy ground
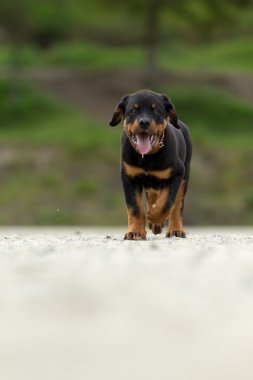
{"x": 83, "y": 304}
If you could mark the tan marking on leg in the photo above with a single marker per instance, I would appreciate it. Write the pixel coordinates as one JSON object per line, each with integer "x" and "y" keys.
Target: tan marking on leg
{"x": 152, "y": 196}
{"x": 136, "y": 223}
{"x": 155, "y": 214}
{"x": 175, "y": 219}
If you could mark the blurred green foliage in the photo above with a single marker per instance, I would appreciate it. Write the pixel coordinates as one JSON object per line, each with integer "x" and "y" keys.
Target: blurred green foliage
{"x": 235, "y": 55}
{"x": 214, "y": 113}
{"x": 59, "y": 167}
{"x": 20, "y": 111}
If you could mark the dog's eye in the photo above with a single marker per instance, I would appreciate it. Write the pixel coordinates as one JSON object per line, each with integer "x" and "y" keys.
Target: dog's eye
{"x": 157, "y": 111}
{"x": 133, "y": 110}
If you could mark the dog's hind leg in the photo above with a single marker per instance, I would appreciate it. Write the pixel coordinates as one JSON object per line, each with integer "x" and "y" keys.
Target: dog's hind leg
{"x": 152, "y": 196}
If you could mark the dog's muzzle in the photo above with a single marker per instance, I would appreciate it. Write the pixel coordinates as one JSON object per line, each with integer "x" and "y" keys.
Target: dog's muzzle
{"x": 143, "y": 142}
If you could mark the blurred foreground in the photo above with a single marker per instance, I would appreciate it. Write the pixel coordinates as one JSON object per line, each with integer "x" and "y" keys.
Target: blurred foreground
{"x": 82, "y": 303}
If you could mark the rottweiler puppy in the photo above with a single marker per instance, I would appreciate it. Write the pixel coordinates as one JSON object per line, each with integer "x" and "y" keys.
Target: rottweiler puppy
{"x": 156, "y": 152}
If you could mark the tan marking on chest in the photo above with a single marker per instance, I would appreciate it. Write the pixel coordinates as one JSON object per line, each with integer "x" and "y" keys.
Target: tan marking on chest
{"x": 134, "y": 171}
{"x": 162, "y": 174}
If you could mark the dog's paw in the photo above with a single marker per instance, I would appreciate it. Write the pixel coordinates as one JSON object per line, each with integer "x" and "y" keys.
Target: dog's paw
{"x": 156, "y": 228}
{"x": 155, "y": 218}
{"x": 135, "y": 235}
{"x": 176, "y": 233}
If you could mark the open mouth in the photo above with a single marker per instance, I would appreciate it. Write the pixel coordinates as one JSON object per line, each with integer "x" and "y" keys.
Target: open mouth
{"x": 144, "y": 142}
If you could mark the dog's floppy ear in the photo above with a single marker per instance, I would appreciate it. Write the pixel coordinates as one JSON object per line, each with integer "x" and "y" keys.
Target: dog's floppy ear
{"x": 119, "y": 112}
{"x": 171, "y": 112}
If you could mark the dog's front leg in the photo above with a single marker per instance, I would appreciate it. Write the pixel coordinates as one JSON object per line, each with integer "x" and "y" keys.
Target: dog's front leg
{"x": 135, "y": 209}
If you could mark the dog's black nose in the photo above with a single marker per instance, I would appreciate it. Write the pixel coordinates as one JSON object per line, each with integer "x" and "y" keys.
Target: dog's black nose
{"x": 144, "y": 123}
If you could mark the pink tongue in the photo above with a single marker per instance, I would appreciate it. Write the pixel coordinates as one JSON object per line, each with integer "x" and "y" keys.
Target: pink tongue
{"x": 143, "y": 143}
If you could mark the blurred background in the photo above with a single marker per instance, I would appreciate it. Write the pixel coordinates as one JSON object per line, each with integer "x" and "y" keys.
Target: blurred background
{"x": 64, "y": 65}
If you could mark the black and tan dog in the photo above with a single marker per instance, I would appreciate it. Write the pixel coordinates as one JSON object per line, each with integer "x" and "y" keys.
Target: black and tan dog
{"x": 155, "y": 158}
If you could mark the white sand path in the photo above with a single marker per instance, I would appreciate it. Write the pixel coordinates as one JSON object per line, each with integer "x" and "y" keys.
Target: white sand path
{"x": 83, "y": 304}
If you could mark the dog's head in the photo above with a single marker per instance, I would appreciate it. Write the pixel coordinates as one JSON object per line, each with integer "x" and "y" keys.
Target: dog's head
{"x": 146, "y": 114}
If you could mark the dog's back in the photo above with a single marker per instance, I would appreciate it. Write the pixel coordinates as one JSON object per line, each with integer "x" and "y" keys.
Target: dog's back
{"x": 187, "y": 138}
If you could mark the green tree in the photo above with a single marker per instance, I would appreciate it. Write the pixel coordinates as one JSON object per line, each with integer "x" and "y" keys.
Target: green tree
{"x": 207, "y": 18}
{"x": 28, "y": 21}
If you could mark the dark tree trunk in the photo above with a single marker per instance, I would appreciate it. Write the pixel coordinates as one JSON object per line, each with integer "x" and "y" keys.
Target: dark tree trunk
{"x": 151, "y": 43}
{"x": 15, "y": 71}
